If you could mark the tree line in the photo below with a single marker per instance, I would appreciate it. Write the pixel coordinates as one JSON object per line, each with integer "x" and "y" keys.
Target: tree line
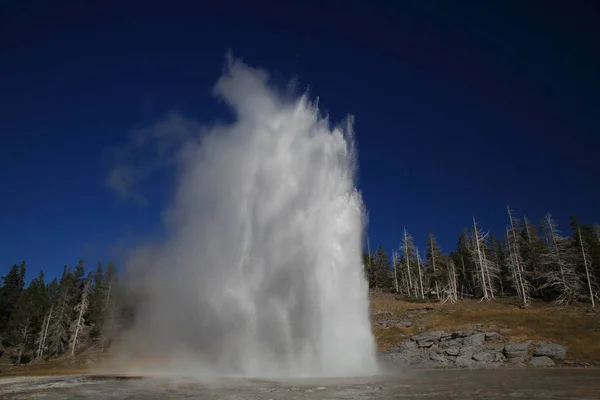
{"x": 42, "y": 320}
{"x": 87, "y": 309}
{"x": 528, "y": 261}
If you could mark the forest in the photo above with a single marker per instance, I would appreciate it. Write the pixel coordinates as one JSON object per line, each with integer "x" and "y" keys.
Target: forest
{"x": 532, "y": 262}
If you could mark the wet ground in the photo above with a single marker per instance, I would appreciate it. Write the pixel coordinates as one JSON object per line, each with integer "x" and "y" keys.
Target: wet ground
{"x": 434, "y": 384}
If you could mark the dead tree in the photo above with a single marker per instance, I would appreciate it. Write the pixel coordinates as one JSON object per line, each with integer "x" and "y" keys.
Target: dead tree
{"x": 395, "y": 270}
{"x": 79, "y": 322}
{"x": 587, "y": 264}
{"x": 420, "y": 274}
{"x": 25, "y": 334}
{"x": 560, "y": 274}
{"x": 41, "y": 342}
{"x": 514, "y": 250}
{"x": 485, "y": 268}
{"x": 408, "y": 248}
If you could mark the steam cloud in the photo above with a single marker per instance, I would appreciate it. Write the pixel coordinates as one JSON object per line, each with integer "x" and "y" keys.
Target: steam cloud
{"x": 261, "y": 273}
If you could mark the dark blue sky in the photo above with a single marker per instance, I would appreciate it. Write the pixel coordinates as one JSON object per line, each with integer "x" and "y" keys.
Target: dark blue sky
{"x": 460, "y": 109}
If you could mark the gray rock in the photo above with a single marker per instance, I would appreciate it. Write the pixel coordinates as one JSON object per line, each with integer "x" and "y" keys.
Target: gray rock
{"x": 516, "y": 350}
{"x": 542, "y": 361}
{"x": 474, "y": 340}
{"x": 432, "y": 336}
{"x": 517, "y": 361}
{"x": 552, "y": 350}
{"x": 464, "y": 362}
{"x": 438, "y": 358}
{"x": 484, "y": 356}
{"x": 467, "y": 351}
{"x": 454, "y": 342}
{"x": 462, "y": 334}
{"x": 499, "y": 357}
{"x": 407, "y": 345}
{"x": 453, "y": 351}
{"x": 427, "y": 339}
{"x": 492, "y": 337}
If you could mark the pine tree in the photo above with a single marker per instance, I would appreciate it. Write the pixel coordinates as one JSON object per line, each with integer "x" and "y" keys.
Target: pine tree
{"x": 420, "y": 274}
{"x": 97, "y": 301}
{"x": 515, "y": 258}
{"x": 409, "y": 259}
{"x": 20, "y": 328}
{"x": 58, "y": 330}
{"x": 80, "y": 310}
{"x": 486, "y": 270}
{"x": 560, "y": 274}
{"x": 12, "y": 287}
{"x": 432, "y": 262}
{"x": 52, "y": 292}
{"x": 589, "y": 276}
{"x": 532, "y": 250}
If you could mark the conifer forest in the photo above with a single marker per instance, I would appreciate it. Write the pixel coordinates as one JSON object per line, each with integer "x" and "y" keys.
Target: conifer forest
{"x": 529, "y": 261}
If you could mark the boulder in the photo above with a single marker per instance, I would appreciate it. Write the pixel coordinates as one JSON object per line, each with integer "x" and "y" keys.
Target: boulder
{"x": 541, "y": 361}
{"x": 453, "y": 352}
{"x": 427, "y": 339}
{"x": 438, "y": 358}
{"x": 432, "y": 336}
{"x": 467, "y": 351}
{"x": 464, "y": 362}
{"x": 552, "y": 350}
{"x": 474, "y": 340}
{"x": 493, "y": 337}
{"x": 484, "y": 356}
{"x": 516, "y": 350}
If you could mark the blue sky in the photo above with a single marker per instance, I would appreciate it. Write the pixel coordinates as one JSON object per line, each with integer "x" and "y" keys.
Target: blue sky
{"x": 459, "y": 109}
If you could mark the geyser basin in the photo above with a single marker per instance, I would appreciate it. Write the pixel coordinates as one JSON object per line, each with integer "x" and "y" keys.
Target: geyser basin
{"x": 261, "y": 273}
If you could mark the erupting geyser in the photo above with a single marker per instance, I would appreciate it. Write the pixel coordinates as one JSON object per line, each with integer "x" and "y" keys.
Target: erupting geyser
{"x": 261, "y": 270}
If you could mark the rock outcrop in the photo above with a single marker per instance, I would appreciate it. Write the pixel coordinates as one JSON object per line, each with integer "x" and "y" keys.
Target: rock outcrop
{"x": 473, "y": 349}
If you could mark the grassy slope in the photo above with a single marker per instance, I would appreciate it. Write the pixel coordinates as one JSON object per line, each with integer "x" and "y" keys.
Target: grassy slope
{"x": 570, "y": 326}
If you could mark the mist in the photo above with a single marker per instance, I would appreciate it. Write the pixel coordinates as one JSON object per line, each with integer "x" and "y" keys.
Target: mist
{"x": 261, "y": 270}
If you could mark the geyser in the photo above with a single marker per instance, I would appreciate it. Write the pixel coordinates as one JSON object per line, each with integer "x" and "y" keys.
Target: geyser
{"x": 261, "y": 270}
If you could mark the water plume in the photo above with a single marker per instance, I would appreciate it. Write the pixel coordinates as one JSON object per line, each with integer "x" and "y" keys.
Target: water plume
{"x": 261, "y": 271}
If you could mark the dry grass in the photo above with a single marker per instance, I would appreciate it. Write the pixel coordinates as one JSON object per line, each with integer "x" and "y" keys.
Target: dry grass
{"x": 572, "y": 326}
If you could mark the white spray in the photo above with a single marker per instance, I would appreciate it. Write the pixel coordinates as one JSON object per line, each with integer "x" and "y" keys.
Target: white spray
{"x": 261, "y": 273}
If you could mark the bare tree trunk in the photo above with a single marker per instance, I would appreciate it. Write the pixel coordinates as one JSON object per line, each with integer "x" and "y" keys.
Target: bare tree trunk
{"x": 557, "y": 251}
{"x": 437, "y": 289}
{"x": 79, "y": 322}
{"x": 407, "y": 258}
{"x": 453, "y": 280}
{"x": 420, "y": 274}
{"x": 481, "y": 262}
{"x": 516, "y": 258}
{"x": 586, "y": 264}
{"x": 23, "y": 343}
{"x": 395, "y": 272}
{"x": 44, "y": 334}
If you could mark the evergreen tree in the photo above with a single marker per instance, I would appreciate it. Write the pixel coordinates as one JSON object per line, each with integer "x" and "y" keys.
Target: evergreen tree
{"x": 435, "y": 272}
{"x": 560, "y": 273}
{"x": 12, "y": 287}
{"x": 58, "y": 330}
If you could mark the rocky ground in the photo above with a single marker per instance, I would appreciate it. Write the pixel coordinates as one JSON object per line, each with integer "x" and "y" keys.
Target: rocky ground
{"x": 475, "y": 348}
{"x": 482, "y": 335}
